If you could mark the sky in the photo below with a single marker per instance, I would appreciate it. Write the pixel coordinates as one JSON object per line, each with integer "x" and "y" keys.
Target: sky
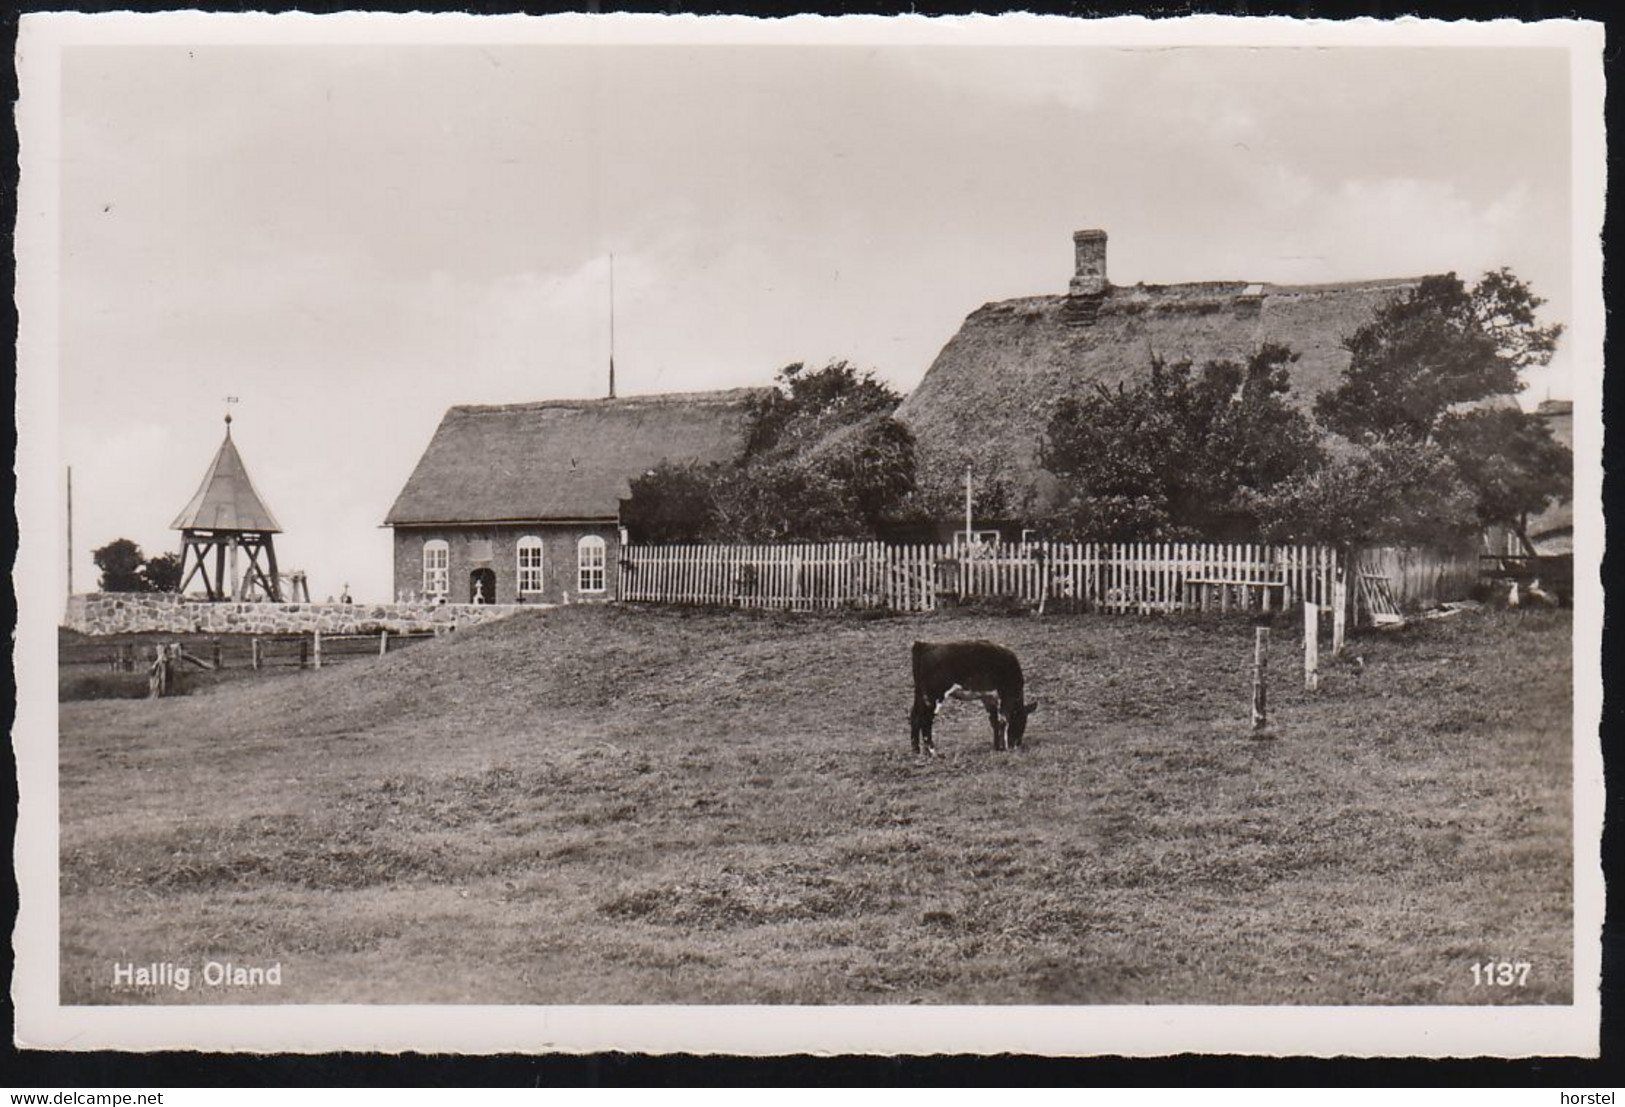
{"x": 351, "y": 239}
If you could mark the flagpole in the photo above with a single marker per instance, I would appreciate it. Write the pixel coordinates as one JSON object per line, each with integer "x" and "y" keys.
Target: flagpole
{"x": 612, "y": 326}
{"x": 70, "y": 530}
{"x": 967, "y": 510}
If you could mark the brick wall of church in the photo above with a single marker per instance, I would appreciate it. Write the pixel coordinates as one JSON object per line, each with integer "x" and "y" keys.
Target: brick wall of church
{"x": 495, "y": 550}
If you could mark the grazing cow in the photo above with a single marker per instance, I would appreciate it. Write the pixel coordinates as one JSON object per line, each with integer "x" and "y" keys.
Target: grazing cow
{"x": 969, "y": 671}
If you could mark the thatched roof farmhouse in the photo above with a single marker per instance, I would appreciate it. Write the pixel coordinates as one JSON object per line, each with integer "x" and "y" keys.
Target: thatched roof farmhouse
{"x": 521, "y": 502}
{"x": 1552, "y": 531}
{"x": 998, "y": 379}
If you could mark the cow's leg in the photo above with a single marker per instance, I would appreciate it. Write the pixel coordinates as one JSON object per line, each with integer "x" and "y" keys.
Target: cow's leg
{"x": 995, "y": 715}
{"x": 920, "y": 719}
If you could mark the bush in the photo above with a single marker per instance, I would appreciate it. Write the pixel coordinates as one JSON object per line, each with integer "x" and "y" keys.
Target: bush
{"x": 101, "y": 686}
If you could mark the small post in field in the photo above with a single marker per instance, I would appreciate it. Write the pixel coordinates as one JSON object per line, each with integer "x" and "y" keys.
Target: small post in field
{"x": 161, "y": 677}
{"x": 383, "y": 642}
{"x": 254, "y": 653}
{"x": 1261, "y": 641}
{"x": 1311, "y": 647}
{"x": 1340, "y": 606}
{"x": 316, "y": 651}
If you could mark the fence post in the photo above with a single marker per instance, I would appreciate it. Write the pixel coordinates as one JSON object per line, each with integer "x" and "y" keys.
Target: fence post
{"x": 1261, "y": 641}
{"x": 1340, "y": 605}
{"x": 383, "y": 642}
{"x": 316, "y": 651}
{"x": 254, "y": 653}
{"x": 161, "y": 676}
{"x": 1311, "y": 647}
{"x": 216, "y": 643}
{"x": 304, "y": 651}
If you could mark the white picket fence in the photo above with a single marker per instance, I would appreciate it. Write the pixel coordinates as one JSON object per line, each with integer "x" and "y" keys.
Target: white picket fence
{"x": 1122, "y": 577}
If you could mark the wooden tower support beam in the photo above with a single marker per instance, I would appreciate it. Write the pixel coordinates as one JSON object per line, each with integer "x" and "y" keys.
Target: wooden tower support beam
{"x": 218, "y": 592}
{"x": 198, "y": 547}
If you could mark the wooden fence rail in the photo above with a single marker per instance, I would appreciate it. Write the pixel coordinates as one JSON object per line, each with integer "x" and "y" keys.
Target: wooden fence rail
{"x": 238, "y": 651}
{"x": 1131, "y": 577}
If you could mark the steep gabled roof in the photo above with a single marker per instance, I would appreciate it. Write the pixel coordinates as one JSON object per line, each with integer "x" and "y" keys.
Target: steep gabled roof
{"x": 226, "y": 500}
{"x": 563, "y": 459}
{"x": 1558, "y": 518}
{"x": 999, "y": 378}
{"x": 1559, "y": 416}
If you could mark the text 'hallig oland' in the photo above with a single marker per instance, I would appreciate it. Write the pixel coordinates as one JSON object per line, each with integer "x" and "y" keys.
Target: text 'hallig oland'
{"x": 214, "y": 974}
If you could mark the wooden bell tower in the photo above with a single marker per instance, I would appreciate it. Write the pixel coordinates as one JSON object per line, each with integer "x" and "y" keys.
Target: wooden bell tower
{"x": 224, "y": 517}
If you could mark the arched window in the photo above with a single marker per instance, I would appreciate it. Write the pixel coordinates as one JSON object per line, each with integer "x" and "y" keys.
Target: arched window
{"x": 530, "y": 564}
{"x": 436, "y": 568}
{"x": 590, "y": 561}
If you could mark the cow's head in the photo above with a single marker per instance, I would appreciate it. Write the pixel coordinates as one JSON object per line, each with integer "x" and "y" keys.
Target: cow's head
{"x": 1017, "y": 716}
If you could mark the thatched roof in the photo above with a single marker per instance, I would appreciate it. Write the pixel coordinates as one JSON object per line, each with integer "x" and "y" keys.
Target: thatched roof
{"x": 1559, "y": 416}
{"x": 563, "y": 459}
{"x": 1547, "y": 528}
{"x": 226, "y": 500}
{"x": 999, "y": 378}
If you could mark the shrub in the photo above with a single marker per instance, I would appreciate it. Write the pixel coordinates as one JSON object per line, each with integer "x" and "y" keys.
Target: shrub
{"x": 101, "y": 686}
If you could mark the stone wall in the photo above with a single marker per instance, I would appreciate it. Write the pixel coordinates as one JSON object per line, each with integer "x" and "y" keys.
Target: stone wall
{"x": 128, "y": 612}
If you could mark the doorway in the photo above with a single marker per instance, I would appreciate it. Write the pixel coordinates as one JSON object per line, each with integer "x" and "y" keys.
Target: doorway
{"x": 482, "y": 586}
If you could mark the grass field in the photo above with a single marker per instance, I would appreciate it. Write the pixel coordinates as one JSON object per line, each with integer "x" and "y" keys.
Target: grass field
{"x": 602, "y": 805}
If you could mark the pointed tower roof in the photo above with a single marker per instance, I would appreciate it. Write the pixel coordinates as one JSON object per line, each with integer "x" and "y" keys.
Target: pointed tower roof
{"x": 226, "y": 499}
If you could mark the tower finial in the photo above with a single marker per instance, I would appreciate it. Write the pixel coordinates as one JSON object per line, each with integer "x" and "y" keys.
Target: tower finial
{"x": 229, "y": 401}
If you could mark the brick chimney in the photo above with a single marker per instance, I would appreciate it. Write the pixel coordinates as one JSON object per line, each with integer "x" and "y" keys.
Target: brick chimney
{"x": 1090, "y": 250}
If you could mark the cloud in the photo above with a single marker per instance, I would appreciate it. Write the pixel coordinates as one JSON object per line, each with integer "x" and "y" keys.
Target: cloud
{"x": 1402, "y": 227}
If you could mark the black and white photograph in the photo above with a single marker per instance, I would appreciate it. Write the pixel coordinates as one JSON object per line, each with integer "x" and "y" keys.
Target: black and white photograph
{"x": 883, "y": 535}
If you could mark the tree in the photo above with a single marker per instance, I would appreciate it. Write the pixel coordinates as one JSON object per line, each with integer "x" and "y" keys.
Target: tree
{"x": 126, "y": 569}
{"x": 806, "y": 406}
{"x": 1439, "y": 346}
{"x": 823, "y": 459}
{"x": 1510, "y": 463}
{"x": 871, "y": 465}
{"x": 1180, "y": 454}
{"x": 1001, "y": 487}
{"x": 781, "y": 501}
{"x": 162, "y": 573}
{"x": 120, "y": 562}
{"x": 1397, "y": 493}
{"x": 673, "y": 502}
{"x": 1424, "y": 372}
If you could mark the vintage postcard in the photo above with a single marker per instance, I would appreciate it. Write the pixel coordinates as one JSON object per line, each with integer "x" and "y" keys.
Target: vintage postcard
{"x": 823, "y": 535}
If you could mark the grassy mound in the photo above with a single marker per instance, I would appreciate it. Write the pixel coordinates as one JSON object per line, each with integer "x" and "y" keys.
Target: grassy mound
{"x": 611, "y": 805}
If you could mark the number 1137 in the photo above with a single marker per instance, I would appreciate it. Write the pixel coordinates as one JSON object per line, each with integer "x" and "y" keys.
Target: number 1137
{"x": 1501, "y": 974}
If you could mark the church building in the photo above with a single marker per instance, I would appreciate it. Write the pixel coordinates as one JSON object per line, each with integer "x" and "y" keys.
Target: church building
{"x": 521, "y": 503}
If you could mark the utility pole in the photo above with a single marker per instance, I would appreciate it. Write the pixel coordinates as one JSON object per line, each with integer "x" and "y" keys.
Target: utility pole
{"x": 612, "y": 326}
{"x": 70, "y": 530}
